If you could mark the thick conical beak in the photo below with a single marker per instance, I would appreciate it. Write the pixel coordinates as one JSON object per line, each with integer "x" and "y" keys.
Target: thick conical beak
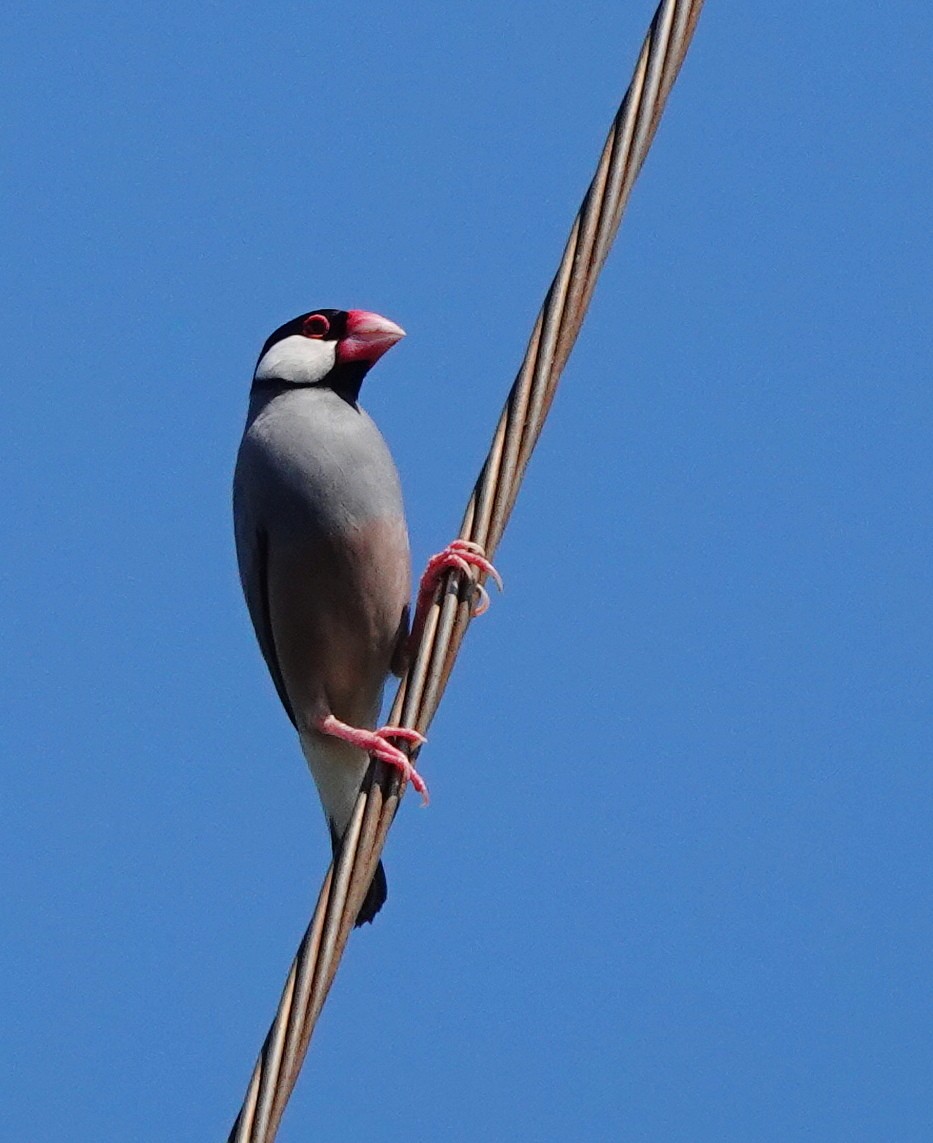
{"x": 368, "y": 336}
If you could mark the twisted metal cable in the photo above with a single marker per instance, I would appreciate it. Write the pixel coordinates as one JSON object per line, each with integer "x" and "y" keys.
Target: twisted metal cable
{"x": 487, "y": 513}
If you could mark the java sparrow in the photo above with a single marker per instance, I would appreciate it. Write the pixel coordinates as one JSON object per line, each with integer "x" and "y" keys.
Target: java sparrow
{"x": 322, "y": 548}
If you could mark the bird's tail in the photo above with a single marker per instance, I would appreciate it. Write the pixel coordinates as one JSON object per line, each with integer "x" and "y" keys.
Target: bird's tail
{"x": 338, "y": 770}
{"x": 376, "y": 893}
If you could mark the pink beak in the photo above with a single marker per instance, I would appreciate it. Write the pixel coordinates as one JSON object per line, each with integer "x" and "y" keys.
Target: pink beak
{"x": 368, "y": 336}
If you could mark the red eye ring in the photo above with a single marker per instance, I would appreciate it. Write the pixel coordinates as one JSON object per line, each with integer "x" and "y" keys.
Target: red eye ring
{"x": 316, "y": 325}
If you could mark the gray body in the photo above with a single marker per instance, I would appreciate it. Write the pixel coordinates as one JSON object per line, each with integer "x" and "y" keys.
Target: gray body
{"x": 323, "y": 555}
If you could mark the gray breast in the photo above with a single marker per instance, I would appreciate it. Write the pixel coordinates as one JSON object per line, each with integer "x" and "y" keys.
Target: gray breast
{"x": 311, "y": 454}
{"x": 318, "y": 498}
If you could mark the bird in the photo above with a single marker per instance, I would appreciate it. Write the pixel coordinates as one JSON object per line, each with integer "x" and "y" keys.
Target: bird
{"x": 323, "y": 553}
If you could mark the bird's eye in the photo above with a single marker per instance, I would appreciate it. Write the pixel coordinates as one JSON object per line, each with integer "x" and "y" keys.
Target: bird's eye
{"x": 315, "y": 326}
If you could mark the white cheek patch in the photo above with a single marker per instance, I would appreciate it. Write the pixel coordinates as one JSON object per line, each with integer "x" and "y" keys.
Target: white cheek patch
{"x": 297, "y": 360}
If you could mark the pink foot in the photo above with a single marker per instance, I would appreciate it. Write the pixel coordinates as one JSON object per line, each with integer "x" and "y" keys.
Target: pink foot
{"x": 403, "y": 732}
{"x": 376, "y": 742}
{"x": 462, "y": 555}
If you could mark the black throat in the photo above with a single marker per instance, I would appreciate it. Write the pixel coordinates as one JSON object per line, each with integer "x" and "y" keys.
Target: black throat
{"x": 346, "y": 380}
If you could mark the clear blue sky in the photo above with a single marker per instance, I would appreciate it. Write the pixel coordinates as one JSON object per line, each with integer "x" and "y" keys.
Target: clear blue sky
{"x": 674, "y": 883}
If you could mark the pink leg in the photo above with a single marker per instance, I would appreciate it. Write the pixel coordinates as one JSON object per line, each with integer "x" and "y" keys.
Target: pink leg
{"x": 376, "y": 742}
{"x": 462, "y": 555}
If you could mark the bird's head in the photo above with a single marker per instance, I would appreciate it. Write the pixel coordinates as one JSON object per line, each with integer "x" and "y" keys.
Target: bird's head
{"x": 328, "y": 349}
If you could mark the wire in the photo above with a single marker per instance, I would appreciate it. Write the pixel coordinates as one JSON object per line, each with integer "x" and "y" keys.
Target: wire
{"x": 555, "y": 331}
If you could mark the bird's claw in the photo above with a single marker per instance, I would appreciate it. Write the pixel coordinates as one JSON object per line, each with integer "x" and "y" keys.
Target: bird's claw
{"x": 376, "y": 743}
{"x": 392, "y": 756}
{"x": 403, "y": 732}
{"x": 463, "y": 555}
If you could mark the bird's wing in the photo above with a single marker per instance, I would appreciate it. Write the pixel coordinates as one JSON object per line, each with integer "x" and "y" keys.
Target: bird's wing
{"x": 402, "y": 652}
{"x": 252, "y": 545}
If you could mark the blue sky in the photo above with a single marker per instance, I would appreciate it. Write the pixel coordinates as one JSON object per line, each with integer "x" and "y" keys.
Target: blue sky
{"x": 674, "y": 882}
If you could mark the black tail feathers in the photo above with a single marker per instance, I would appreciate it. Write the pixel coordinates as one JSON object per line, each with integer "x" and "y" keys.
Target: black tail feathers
{"x": 376, "y": 893}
